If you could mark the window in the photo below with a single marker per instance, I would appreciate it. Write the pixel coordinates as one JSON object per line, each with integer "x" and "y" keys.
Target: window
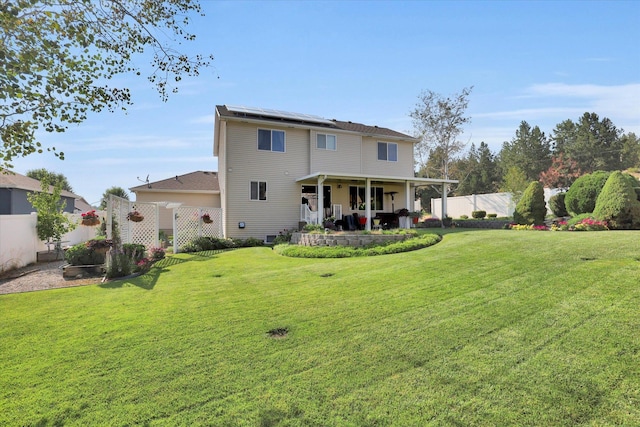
{"x": 258, "y": 190}
{"x": 357, "y": 200}
{"x": 271, "y": 140}
{"x": 388, "y": 151}
{"x": 325, "y": 142}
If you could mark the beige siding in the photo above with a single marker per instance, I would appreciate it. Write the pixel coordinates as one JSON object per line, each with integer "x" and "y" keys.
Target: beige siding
{"x": 345, "y": 159}
{"x": 245, "y": 163}
{"x": 187, "y": 199}
{"x": 371, "y": 164}
{"x": 222, "y": 172}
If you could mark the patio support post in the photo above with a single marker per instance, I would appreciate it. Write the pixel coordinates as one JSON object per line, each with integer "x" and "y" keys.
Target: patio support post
{"x": 320, "y": 193}
{"x": 444, "y": 202}
{"x": 407, "y": 200}
{"x": 367, "y": 204}
{"x": 407, "y": 196}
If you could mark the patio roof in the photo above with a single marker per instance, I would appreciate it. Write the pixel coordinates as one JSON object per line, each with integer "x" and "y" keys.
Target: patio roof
{"x": 416, "y": 182}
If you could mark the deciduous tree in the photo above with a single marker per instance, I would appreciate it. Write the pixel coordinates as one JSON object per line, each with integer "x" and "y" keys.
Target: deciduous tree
{"x": 561, "y": 174}
{"x": 438, "y": 121}
{"x": 58, "y": 59}
{"x": 116, "y": 191}
{"x": 53, "y": 177}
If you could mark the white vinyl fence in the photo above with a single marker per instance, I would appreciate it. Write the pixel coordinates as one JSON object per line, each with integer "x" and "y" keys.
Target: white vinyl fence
{"x": 497, "y": 203}
{"x": 19, "y": 241}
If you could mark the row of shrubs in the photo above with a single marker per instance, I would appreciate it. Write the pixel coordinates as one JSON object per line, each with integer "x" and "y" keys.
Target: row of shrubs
{"x": 412, "y": 244}
{"x": 200, "y": 244}
{"x": 611, "y": 197}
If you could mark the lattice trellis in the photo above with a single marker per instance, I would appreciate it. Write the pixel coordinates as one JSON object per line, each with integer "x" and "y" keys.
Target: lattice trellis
{"x": 189, "y": 224}
{"x": 144, "y": 232}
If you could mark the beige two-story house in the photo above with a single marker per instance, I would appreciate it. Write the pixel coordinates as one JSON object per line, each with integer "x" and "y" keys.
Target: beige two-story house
{"x": 278, "y": 169}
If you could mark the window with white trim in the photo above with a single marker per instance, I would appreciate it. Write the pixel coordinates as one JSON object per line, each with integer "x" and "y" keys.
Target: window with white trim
{"x": 258, "y": 190}
{"x": 388, "y": 151}
{"x": 326, "y": 142}
{"x": 271, "y": 140}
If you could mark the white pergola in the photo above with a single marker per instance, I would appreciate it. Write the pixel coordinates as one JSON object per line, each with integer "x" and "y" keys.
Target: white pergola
{"x": 320, "y": 177}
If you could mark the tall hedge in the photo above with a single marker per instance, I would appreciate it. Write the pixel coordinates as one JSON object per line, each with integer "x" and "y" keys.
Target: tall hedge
{"x": 617, "y": 203}
{"x": 583, "y": 193}
{"x": 531, "y": 208}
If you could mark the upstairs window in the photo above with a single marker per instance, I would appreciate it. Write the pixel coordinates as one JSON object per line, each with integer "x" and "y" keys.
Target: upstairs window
{"x": 271, "y": 140}
{"x": 388, "y": 151}
{"x": 258, "y": 190}
{"x": 326, "y": 142}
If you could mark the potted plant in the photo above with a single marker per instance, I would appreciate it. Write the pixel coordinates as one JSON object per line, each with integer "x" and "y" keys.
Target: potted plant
{"x": 134, "y": 216}
{"x": 206, "y": 218}
{"x": 90, "y": 218}
{"x": 415, "y": 216}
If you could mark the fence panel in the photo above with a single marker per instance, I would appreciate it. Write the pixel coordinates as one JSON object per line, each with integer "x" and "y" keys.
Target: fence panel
{"x": 19, "y": 241}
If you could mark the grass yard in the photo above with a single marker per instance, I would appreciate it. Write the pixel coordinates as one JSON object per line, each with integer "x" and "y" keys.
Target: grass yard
{"x": 486, "y": 328}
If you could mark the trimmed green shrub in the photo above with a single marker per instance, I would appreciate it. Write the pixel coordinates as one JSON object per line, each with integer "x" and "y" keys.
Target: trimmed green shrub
{"x": 617, "y": 203}
{"x": 531, "y": 209}
{"x": 479, "y": 214}
{"x": 557, "y": 206}
{"x": 492, "y": 215}
{"x": 81, "y": 254}
{"x": 583, "y": 193}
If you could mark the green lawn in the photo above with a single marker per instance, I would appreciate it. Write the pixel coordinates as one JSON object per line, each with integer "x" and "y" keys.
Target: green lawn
{"x": 487, "y": 328}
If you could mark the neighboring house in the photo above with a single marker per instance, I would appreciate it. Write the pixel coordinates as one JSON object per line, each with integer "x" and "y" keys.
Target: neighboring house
{"x": 199, "y": 189}
{"x": 277, "y": 169}
{"x": 13, "y": 195}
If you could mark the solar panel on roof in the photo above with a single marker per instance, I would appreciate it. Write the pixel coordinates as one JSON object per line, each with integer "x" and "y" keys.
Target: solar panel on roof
{"x": 278, "y": 114}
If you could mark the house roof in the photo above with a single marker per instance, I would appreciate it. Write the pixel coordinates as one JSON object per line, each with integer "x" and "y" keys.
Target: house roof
{"x": 23, "y": 182}
{"x": 282, "y": 117}
{"x": 194, "y": 182}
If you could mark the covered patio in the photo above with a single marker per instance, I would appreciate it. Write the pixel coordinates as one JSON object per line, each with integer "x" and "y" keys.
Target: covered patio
{"x": 344, "y": 194}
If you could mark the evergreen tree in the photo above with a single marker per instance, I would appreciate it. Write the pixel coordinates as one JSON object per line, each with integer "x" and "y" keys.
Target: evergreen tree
{"x": 479, "y": 172}
{"x": 617, "y": 203}
{"x": 593, "y": 143}
{"x": 529, "y": 151}
{"x": 531, "y": 209}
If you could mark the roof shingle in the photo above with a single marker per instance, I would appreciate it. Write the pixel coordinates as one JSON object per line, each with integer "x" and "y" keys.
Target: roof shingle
{"x": 199, "y": 181}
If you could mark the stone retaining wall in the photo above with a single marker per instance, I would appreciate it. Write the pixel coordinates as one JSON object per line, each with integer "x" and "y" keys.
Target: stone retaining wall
{"x": 345, "y": 239}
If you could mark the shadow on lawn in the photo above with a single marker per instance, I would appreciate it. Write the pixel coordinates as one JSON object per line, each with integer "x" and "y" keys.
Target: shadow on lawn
{"x": 149, "y": 279}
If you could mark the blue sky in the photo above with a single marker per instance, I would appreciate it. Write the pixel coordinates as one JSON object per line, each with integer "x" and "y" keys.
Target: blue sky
{"x": 543, "y": 62}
